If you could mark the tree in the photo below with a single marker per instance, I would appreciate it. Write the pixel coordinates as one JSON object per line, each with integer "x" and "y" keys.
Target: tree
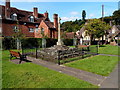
{"x": 96, "y": 29}
{"x": 83, "y": 15}
{"x": 116, "y": 16}
{"x": 18, "y": 35}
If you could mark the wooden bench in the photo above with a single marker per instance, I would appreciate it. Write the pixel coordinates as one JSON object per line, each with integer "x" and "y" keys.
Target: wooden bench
{"x": 17, "y": 55}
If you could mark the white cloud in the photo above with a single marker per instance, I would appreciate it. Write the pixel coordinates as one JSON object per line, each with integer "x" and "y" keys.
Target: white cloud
{"x": 91, "y": 16}
{"x": 69, "y": 18}
{"x": 74, "y": 13}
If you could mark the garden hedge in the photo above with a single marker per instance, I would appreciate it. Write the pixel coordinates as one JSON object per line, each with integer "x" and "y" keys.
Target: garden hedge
{"x": 10, "y": 43}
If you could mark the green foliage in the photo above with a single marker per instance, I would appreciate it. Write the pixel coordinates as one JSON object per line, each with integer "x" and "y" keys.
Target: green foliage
{"x": 83, "y": 15}
{"x": 8, "y": 43}
{"x": 68, "y": 42}
{"x": 116, "y": 16}
{"x": 96, "y": 28}
{"x": 50, "y": 42}
{"x": 108, "y": 19}
{"x": 31, "y": 42}
{"x": 102, "y": 65}
{"x": 72, "y": 26}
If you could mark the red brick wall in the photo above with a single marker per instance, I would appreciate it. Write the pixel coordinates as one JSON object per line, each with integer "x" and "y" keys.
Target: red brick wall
{"x": 7, "y": 30}
{"x": 46, "y": 30}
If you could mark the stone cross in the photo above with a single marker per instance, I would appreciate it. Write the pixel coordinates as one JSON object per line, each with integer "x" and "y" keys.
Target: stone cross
{"x": 59, "y": 37}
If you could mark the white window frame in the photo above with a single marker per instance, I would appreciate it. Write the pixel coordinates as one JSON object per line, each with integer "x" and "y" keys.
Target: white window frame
{"x": 31, "y": 18}
{"x": 14, "y": 16}
{"x": 31, "y": 29}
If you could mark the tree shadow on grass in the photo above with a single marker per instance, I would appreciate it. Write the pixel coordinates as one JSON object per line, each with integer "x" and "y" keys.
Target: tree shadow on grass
{"x": 102, "y": 46}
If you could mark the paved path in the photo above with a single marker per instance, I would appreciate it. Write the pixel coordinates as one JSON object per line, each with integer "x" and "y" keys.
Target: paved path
{"x": 112, "y": 80}
{"x": 109, "y": 55}
{"x": 83, "y": 75}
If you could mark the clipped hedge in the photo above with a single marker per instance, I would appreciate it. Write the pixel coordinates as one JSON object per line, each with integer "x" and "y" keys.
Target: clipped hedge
{"x": 68, "y": 42}
{"x": 31, "y": 42}
{"x": 10, "y": 43}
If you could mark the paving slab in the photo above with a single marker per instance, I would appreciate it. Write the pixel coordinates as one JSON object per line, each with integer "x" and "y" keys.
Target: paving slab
{"x": 112, "y": 79}
{"x": 83, "y": 75}
{"x": 109, "y": 55}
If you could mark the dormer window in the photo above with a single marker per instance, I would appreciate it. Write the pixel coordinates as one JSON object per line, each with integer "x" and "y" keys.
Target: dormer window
{"x": 31, "y": 19}
{"x": 31, "y": 29}
{"x": 0, "y": 16}
{"x": 15, "y": 29}
{"x": 14, "y": 16}
{"x": 42, "y": 30}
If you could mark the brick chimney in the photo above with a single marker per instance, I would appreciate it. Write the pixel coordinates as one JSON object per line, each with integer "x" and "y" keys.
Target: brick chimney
{"x": 35, "y": 12}
{"x": 55, "y": 16}
{"x": 7, "y": 9}
{"x": 46, "y": 14}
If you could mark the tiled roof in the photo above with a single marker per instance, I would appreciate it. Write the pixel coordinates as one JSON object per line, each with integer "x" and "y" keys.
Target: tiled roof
{"x": 49, "y": 24}
{"x": 22, "y": 14}
{"x": 70, "y": 35}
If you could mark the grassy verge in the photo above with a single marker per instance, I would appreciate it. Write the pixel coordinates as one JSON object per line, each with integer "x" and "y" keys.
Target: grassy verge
{"x": 108, "y": 49}
{"x": 30, "y": 75}
{"x": 102, "y": 65}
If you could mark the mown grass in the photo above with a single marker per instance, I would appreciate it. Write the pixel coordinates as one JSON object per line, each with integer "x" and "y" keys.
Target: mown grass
{"x": 29, "y": 75}
{"x": 102, "y": 65}
{"x": 109, "y": 49}
{"x": 106, "y": 49}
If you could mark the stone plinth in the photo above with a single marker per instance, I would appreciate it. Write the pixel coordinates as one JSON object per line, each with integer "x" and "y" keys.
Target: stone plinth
{"x": 51, "y": 54}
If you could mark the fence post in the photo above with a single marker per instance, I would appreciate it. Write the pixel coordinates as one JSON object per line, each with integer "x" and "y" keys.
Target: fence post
{"x": 22, "y": 51}
{"x": 82, "y": 53}
{"x": 36, "y": 52}
{"x": 97, "y": 49}
{"x": 58, "y": 57}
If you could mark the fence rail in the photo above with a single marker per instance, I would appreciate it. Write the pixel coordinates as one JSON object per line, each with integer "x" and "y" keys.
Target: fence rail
{"x": 60, "y": 56}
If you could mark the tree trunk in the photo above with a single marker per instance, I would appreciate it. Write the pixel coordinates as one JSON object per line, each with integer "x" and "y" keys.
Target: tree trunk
{"x": 105, "y": 39}
{"x": 98, "y": 43}
{"x": 91, "y": 37}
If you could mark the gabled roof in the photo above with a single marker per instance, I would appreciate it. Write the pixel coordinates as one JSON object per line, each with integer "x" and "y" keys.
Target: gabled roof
{"x": 22, "y": 14}
{"x": 81, "y": 31}
{"x": 70, "y": 35}
{"x": 49, "y": 24}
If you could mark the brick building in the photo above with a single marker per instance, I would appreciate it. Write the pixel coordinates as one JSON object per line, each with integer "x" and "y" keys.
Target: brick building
{"x": 31, "y": 24}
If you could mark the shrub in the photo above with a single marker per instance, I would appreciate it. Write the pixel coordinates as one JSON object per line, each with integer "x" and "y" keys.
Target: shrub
{"x": 68, "y": 42}
{"x": 8, "y": 43}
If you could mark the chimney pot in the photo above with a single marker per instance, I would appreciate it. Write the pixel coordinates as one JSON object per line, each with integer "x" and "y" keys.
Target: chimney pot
{"x": 35, "y": 12}
{"x": 46, "y": 14}
{"x": 7, "y": 9}
{"x": 55, "y": 16}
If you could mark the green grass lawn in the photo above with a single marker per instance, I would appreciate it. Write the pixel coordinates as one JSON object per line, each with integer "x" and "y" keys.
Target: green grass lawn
{"x": 106, "y": 49}
{"x": 109, "y": 49}
{"x": 30, "y": 75}
{"x": 102, "y": 65}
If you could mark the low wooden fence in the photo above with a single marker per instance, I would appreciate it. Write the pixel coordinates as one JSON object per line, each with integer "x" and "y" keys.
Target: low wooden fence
{"x": 60, "y": 56}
